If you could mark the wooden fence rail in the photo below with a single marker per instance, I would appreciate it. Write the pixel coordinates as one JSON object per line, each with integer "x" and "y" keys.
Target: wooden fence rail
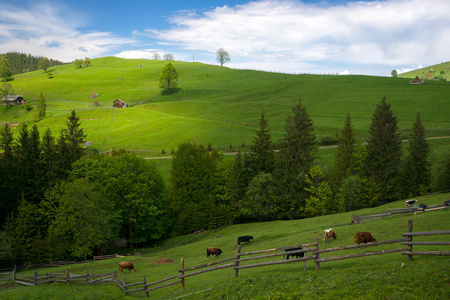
{"x": 143, "y": 286}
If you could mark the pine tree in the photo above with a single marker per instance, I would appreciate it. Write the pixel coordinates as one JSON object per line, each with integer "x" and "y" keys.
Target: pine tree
{"x": 345, "y": 154}
{"x": 261, "y": 151}
{"x": 8, "y": 178}
{"x": 74, "y": 137}
{"x": 48, "y": 159}
{"x": 417, "y": 167}
{"x": 23, "y": 158}
{"x": 34, "y": 192}
{"x": 296, "y": 156}
{"x": 384, "y": 152}
{"x": 41, "y": 107}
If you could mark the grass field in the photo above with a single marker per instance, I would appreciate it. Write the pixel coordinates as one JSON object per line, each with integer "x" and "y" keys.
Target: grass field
{"x": 214, "y": 104}
{"x": 390, "y": 276}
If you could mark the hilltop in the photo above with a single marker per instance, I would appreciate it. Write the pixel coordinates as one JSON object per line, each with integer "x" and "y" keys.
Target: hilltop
{"x": 213, "y": 104}
{"x": 434, "y": 72}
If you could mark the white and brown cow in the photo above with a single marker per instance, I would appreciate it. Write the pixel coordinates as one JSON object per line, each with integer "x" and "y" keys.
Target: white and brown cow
{"x": 328, "y": 234}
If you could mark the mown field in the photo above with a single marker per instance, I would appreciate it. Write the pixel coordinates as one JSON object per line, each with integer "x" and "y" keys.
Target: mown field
{"x": 214, "y": 104}
{"x": 390, "y": 276}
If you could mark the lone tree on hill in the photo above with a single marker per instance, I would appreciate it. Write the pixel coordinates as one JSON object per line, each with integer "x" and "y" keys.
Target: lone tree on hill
{"x": 168, "y": 78}
{"x": 222, "y": 56}
{"x": 44, "y": 64}
{"x": 394, "y": 73}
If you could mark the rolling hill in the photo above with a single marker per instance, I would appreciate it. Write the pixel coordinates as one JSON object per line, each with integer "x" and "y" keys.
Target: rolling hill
{"x": 214, "y": 104}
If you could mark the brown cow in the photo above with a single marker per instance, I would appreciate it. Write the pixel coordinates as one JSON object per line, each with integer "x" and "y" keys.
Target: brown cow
{"x": 328, "y": 234}
{"x": 363, "y": 237}
{"x": 213, "y": 251}
{"x": 126, "y": 265}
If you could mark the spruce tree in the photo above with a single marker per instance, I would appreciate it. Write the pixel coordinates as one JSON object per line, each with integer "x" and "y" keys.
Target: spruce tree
{"x": 74, "y": 137}
{"x": 8, "y": 180}
{"x": 297, "y": 151}
{"x": 34, "y": 193}
{"x": 48, "y": 159}
{"x": 344, "y": 160}
{"x": 417, "y": 167}
{"x": 23, "y": 158}
{"x": 384, "y": 153}
{"x": 261, "y": 151}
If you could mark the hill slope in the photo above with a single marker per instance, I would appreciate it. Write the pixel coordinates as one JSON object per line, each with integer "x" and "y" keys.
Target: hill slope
{"x": 215, "y": 104}
{"x": 430, "y": 72}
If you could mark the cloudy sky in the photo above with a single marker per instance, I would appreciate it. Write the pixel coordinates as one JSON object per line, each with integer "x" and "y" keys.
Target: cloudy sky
{"x": 296, "y": 36}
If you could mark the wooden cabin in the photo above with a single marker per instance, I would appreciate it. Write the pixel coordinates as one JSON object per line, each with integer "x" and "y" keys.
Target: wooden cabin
{"x": 13, "y": 100}
{"x": 119, "y": 103}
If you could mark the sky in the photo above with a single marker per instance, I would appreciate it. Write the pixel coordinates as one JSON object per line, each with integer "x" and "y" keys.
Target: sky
{"x": 292, "y": 36}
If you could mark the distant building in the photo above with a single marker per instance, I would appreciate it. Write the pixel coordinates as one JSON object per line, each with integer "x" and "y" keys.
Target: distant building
{"x": 119, "y": 103}
{"x": 416, "y": 81}
{"x": 95, "y": 103}
{"x": 13, "y": 100}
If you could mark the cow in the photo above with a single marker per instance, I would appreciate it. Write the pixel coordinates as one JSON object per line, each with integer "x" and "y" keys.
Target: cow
{"x": 126, "y": 265}
{"x": 410, "y": 202}
{"x": 213, "y": 251}
{"x": 297, "y": 255}
{"x": 363, "y": 237}
{"x": 245, "y": 238}
{"x": 328, "y": 234}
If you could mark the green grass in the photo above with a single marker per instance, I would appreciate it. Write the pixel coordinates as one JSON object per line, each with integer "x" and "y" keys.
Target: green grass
{"x": 215, "y": 104}
{"x": 373, "y": 277}
{"x": 432, "y": 70}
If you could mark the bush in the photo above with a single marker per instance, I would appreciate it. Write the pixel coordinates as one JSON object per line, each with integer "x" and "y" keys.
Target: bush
{"x": 328, "y": 140}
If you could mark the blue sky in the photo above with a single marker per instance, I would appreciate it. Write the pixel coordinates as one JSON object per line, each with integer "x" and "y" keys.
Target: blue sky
{"x": 346, "y": 37}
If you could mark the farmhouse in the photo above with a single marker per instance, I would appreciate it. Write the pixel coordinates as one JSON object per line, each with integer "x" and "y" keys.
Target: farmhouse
{"x": 13, "y": 100}
{"x": 119, "y": 103}
{"x": 416, "y": 81}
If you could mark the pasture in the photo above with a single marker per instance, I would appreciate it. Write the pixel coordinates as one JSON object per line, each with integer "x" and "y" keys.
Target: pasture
{"x": 214, "y": 104}
{"x": 390, "y": 276}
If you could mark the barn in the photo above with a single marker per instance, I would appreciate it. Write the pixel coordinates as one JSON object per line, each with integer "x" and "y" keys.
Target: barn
{"x": 416, "y": 81}
{"x": 13, "y": 100}
{"x": 119, "y": 103}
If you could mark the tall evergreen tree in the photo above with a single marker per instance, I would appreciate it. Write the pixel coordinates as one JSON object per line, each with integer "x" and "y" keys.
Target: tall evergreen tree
{"x": 345, "y": 155}
{"x": 384, "y": 152}
{"x": 41, "y": 107}
{"x": 417, "y": 167}
{"x": 24, "y": 164}
{"x": 34, "y": 192}
{"x": 9, "y": 199}
{"x": 74, "y": 137}
{"x": 48, "y": 159}
{"x": 261, "y": 151}
{"x": 296, "y": 155}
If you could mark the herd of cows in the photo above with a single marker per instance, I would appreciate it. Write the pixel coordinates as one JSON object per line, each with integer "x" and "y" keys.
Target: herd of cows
{"x": 360, "y": 237}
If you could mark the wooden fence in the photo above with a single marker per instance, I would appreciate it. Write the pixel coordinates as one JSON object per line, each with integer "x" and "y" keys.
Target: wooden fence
{"x": 394, "y": 211}
{"x": 235, "y": 262}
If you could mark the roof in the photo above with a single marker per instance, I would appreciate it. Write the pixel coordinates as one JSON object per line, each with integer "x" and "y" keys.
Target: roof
{"x": 119, "y": 100}
{"x": 11, "y": 97}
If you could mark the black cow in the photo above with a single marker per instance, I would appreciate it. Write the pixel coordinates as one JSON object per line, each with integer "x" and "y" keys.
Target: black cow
{"x": 297, "y": 255}
{"x": 245, "y": 238}
{"x": 410, "y": 202}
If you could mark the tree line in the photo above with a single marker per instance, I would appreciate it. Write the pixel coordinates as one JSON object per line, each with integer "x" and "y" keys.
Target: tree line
{"x": 60, "y": 200}
{"x": 22, "y": 63}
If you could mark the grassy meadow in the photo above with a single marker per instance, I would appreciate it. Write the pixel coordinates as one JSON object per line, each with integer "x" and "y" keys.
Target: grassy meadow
{"x": 214, "y": 104}
{"x": 390, "y": 276}
{"x": 430, "y": 71}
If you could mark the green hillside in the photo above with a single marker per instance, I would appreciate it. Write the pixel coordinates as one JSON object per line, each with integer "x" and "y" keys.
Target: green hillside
{"x": 435, "y": 72}
{"x": 214, "y": 104}
{"x": 390, "y": 276}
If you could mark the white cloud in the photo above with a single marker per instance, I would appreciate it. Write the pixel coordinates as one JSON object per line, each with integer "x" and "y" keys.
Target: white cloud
{"x": 391, "y": 33}
{"x": 51, "y": 31}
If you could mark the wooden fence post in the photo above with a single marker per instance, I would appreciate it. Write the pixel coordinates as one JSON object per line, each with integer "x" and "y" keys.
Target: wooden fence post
{"x": 304, "y": 263}
{"x": 182, "y": 273}
{"x": 14, "y": 274}
{"x": 67, "y": 277}
{"x": 125, "y": 286}
{"x": 48, "y": 278}
{"x": 317, "y": 255}
{"x": 35, "y": 275}
{"x": 410, "y": 238}
{"x": 145, "y": 287}
{"x": 236, "y": 263}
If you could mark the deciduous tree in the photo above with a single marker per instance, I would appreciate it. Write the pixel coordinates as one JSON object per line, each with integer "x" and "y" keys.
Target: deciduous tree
{"x": 5, "y": 71}
{"x": 168, "y": 78}
{"x": 44, "y": 64}
{"x": 41, "y": 107}
{"x": 222, "y": 56}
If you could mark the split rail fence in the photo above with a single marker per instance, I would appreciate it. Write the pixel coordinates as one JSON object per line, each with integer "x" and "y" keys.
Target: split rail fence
{"x": 235, "y": 262}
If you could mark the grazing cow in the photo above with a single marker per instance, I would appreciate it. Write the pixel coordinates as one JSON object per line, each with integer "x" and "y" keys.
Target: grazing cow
{"x": 410, "y": 202}
{"x": 213, "y": 251}
{"x": 126, "y": 265}
{"x": 423, "y": 205}
{"x": 328, "y": 234}
{"x": 297, "y": 255}
{"x": 245, "y": 238}
{"x": 363, "y": 237}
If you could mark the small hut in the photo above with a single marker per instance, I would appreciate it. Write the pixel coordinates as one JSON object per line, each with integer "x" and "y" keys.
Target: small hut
{"x": 119, "y": 103}
{"x": 416, "y": 81}
{"x": 94, "y": 95}
{"x": 13, "y": 100}
{"x": 95, "y": 103}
